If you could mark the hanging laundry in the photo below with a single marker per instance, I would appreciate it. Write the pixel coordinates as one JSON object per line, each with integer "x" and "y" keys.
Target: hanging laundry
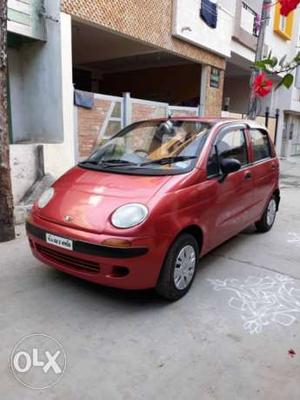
{"x": 209, "y": 12}
{"x": 83, "y": 99}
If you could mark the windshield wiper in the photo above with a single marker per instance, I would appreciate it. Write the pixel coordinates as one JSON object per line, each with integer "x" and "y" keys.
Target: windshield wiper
{"x": 118, "y": 162}
{"x": 109, "y": 163}
{"x": 123, "y": 163}
{"x": 168, "y": 160}
{"x": 88, "y": 162}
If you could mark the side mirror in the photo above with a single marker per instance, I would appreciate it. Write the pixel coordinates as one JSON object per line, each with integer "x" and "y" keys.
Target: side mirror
{"x": 229, "y": 165}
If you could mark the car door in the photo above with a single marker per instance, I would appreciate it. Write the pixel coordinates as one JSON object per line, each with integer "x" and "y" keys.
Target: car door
{"x": 233, "y": 197}
{"x": 265, "y": 169}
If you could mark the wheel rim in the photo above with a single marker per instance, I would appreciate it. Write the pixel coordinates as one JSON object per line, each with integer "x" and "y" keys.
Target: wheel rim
{"x": 271, "y": 212}
{"x": 184, "y": 267}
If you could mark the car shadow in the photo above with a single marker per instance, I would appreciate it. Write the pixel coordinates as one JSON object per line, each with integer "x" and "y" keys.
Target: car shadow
{"x": 133, "y": 297}
{"x": 238, "y": 238}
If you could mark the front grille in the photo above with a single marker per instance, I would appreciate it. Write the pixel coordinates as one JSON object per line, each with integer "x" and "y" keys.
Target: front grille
{"x": 67, "y": 260}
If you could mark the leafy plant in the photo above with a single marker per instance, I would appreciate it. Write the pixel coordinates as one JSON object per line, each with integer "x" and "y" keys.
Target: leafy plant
{"x": 280, "y": 68}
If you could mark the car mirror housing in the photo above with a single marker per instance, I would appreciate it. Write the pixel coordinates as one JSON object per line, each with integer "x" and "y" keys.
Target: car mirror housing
{"x": 229, "y": 165}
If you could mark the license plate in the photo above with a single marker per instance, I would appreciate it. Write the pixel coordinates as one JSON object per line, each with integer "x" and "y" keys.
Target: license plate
{"x": 59, "y": 241}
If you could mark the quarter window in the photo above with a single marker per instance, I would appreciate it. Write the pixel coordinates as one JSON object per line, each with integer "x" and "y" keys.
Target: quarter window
{"x": 260, "y": 145}
{"x": 230, "y": 144}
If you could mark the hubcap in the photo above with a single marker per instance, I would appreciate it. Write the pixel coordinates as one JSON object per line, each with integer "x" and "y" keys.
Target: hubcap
{"x": 184, "y": 267}
{"x": 271, "y": 212}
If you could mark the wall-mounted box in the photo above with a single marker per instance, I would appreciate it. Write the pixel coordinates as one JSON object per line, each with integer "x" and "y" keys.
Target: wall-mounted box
{"x": 26, "y": 18}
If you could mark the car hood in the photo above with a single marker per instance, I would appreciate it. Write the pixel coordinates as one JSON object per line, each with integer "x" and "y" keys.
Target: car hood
{"x": 85, "y": 199}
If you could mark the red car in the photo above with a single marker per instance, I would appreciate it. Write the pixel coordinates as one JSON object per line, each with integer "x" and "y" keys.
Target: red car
{"x": 148, "y": 203}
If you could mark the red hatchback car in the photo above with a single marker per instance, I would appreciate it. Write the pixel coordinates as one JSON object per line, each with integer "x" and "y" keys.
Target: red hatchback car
{"x": 142, "y": 209}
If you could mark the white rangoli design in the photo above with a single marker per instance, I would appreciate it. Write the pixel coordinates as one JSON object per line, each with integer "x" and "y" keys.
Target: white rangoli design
{"x": 262, "y": 301}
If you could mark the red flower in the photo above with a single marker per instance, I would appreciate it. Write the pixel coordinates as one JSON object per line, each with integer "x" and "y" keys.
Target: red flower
{"x": 262, "y": 86}
{"x": 288, "y": 6}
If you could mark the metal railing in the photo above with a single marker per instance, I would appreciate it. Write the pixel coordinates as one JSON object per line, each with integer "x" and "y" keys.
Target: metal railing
{"x": 254, "y": 22}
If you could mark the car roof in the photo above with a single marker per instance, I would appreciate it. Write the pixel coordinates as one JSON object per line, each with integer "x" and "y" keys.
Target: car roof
{"x": 214, "y": 120}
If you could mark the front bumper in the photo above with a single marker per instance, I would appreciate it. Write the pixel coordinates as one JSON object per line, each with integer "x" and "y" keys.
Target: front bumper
{"x": 137, "y": 267}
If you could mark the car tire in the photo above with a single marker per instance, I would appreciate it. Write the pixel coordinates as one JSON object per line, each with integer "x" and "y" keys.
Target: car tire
{"x": 179, "y": 268}
{"x": 268, "y": 218}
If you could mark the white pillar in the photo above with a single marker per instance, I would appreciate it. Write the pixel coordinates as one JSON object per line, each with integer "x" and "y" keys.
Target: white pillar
{"x": 61, "y": 157}
{"x": 127, "y": 109}
{"x": 279, "y": 138}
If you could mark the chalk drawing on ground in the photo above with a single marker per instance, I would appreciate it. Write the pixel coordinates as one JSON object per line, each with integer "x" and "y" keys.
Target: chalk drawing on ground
{"x": 262, "y": 300}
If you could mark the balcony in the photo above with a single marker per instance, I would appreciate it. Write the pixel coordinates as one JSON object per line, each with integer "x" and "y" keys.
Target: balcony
{"x": 246, "y": 29}
{"x": 249, "y": 20}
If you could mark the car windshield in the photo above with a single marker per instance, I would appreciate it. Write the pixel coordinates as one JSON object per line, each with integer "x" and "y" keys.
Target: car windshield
{"x": 152, "y": 147}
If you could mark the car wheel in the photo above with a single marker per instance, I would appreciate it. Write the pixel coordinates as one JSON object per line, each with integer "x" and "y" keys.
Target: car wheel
{"x": 179, "y": 269}
{"x": 267, "y": 220}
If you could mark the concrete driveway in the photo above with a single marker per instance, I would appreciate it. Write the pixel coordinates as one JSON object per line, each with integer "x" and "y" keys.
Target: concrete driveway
{"x": 236, "y": 335}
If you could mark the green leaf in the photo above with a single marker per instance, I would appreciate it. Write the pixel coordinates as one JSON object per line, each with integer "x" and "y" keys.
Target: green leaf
{"x": 286, "y": 81}
{"x": 297, "y": 58}
{"x": 261, "y": 65}
{"x": 273, "y": 62}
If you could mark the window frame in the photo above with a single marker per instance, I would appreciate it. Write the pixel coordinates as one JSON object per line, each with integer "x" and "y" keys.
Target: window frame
{"x": 223, "y": 131}
{"x": 287, "y": 33}
{"x": 265, "y": 132}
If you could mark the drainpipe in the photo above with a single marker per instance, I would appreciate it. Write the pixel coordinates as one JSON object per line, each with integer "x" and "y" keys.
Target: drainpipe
{"x": 40, "y": 162}
{"x": 267, "y": 115}
{"x": 277, "y": 115}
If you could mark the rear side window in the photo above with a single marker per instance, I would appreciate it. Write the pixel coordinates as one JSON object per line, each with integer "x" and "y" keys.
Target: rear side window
{"x": 260, "y": 144}
{"x": 230, "y": 144}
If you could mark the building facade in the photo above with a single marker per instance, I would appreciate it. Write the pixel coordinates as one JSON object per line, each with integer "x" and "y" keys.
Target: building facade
{"x": 282, "y": 39}
{"x": 183, "y": 53}
{"x": 40, "y": 92}
{"x": 99, "y": 47}
{"x": 137, "y": 36}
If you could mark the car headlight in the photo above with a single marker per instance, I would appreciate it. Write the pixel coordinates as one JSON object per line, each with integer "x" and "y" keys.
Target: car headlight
{"x": 129, "y": 215}
{"x": 45, "y": 198}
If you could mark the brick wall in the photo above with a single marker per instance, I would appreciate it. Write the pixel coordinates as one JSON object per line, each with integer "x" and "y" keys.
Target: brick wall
{"x": 142, "y": 111}
{"x": 89, "y": 124}
{"x": 187, "y": 113}
{"x": 145, "y": 20}
{"x": 92, "y": 124}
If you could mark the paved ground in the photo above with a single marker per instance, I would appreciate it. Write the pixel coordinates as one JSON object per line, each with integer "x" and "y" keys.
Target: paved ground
{"x": 233, "y": 337}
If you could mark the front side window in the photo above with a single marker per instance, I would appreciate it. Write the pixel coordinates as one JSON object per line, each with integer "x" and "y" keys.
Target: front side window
{"x": 260, "y": 145}
{"x": 230, "y": 144}
{"x": 152, "y": 147}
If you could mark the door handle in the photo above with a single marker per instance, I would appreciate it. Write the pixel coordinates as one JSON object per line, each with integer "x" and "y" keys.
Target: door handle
{"x": 248, "y": 175}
